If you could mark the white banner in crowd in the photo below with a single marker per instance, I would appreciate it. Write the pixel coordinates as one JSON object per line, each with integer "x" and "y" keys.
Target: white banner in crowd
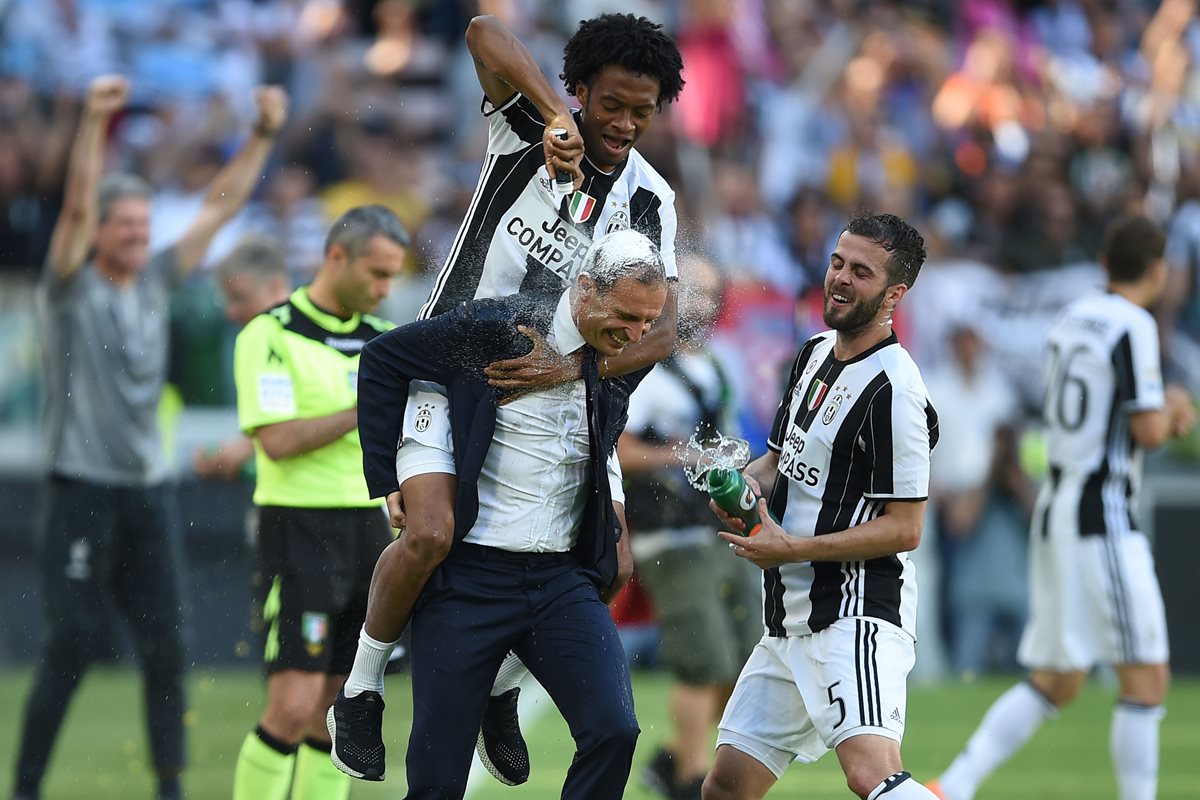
{"x": 1011, "y": 313}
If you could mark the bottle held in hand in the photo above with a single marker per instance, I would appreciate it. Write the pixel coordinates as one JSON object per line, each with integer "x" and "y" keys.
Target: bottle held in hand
{"x": 729, "y": 490}
{"x": 564, "y": 182}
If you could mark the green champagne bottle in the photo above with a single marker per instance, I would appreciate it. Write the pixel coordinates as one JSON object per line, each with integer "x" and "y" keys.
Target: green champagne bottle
{"x": 729, "y": 490}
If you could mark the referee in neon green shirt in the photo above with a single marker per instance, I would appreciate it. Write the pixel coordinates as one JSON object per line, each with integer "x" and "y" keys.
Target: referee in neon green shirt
{"x": 296, "y": 368}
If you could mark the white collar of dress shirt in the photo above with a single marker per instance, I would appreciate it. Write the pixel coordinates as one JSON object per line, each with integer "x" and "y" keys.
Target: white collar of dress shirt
{"x": 567, "y": 338}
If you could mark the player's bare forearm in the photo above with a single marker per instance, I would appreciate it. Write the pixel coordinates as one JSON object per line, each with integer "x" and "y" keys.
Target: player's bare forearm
{"x": 655, "y": 346}
{"x": 504, "y": 66}
{"x": 898, "y": 530}
{"x": 541, "y": 367}
{"x": 295, "y": 437}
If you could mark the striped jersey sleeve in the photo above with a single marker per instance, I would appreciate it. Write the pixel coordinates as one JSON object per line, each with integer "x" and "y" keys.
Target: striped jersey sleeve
{"x": 1137, "y": 365}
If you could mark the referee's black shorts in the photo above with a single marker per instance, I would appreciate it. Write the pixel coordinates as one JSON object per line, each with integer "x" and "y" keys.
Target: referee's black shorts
{"x": 314, "y": 575}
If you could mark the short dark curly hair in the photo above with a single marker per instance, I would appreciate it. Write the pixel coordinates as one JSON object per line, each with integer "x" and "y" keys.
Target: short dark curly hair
{"x": 904, "y": 244}
{"x": 635, "y": 43}
{"x": 1131, "y": 245}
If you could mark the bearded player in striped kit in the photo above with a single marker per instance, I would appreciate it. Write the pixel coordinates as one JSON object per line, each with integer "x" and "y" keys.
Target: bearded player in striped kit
{"x": 847, "y": 473}
{"x": 1094, "y": 595}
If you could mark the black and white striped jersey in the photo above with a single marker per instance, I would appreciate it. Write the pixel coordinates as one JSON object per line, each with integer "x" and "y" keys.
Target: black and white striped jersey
{"x": 1101, "y": 366}
{"x": 851, "y": 436}
{"x": 519, "y": 235}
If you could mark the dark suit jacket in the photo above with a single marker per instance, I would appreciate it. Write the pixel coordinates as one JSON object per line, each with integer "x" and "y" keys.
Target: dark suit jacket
{"x": 452, "y": 349}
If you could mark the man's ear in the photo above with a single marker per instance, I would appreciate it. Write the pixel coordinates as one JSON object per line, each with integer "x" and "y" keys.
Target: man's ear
{"x": 895, "y": 293}
{"x": 587, "y": 286}
{"x": 337, "y": 255}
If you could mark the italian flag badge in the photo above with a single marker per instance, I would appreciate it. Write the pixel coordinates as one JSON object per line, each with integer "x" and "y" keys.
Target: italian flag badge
{"x": 816, "y": 393}
{"x": 581, "y": 207}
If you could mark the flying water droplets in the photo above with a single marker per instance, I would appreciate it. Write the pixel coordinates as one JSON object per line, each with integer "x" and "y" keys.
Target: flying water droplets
{"x": 700, "y": 456}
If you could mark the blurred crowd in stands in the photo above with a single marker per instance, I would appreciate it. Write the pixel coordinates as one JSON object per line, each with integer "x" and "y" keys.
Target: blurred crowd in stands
{"x": 1009, "y": 131}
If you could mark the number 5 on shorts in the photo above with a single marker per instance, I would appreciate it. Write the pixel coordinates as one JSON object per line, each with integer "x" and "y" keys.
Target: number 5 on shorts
{"x": 841, "y": 704}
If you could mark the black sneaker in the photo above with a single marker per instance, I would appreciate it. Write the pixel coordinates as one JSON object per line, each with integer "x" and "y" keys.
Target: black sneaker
{"x": 659, "y": 774}
{"x": 500, "y": 746}
{"x": 356, "y": 728}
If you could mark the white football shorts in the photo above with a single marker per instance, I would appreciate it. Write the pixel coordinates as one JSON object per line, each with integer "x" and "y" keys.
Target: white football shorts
{"x": 1093, "y": 600}
{"x": 799, "y": 697}
{"x": 427, "y": 445}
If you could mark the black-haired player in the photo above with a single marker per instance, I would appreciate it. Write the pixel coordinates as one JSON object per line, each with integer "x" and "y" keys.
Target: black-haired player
{"x": 847, "y": 476}
{"x": 520, "y": 235}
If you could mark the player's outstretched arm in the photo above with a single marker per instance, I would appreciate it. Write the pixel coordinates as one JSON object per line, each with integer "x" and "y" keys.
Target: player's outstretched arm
{"x": 234, "y": 184}
{"x": 77, "y": 223}
{"x": 504, "y": 67}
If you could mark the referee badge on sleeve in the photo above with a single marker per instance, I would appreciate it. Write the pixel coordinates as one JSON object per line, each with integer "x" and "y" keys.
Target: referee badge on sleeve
{"x": 275, "y": 393}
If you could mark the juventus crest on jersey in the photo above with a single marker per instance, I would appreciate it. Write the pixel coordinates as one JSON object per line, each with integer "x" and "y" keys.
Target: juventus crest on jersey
{"x": 1101, "y": 366}
{"x": 851, "y": 436}
{"x": 519, "y": 235}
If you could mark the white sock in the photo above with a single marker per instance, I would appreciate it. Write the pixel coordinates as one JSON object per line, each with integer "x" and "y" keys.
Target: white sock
{"x": 510, "y": 675}
{"x": 1005, "y": 728}
{"x": 369, "y": 663}
{"x": 1133, "y": 744}
{"x": 901, "y": 786}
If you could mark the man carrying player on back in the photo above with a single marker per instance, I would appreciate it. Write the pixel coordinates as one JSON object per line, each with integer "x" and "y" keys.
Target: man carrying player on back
{"x": 519, "y": 235}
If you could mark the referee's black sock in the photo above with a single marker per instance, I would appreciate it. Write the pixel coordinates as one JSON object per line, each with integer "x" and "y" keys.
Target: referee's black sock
{"x": 279, "y": 745}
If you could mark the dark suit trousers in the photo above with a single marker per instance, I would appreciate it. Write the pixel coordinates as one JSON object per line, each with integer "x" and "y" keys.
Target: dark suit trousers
{"x": 479, "y": 604}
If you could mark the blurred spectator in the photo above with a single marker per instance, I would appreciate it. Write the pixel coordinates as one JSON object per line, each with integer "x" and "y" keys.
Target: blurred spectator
{"x": 58, "y": 44}
{"x": 811, "y": 233}
{"x": 253, "y": 278}
{"x": 289, "y": 214}
{"x": 175, "y": 205}
{"x": 871, "y": 167}
{"x": 981, "y": 530}
{"x": 1179, "y": 309}
{"x": 712, "y": 108}
{"x": 742, "y": 234}
{"x": 382, "y": 172}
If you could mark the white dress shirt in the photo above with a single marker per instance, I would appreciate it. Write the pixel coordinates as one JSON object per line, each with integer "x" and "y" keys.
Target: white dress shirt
{"x": 534, "y": 481}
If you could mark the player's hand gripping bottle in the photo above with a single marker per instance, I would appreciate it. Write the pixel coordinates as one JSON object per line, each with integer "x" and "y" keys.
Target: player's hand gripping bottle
{"x": 564, "y": 182}
{"x": 729, "y": 490}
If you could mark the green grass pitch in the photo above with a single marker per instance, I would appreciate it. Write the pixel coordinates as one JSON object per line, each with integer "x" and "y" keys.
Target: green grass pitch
{"x": 102, "y": 753}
